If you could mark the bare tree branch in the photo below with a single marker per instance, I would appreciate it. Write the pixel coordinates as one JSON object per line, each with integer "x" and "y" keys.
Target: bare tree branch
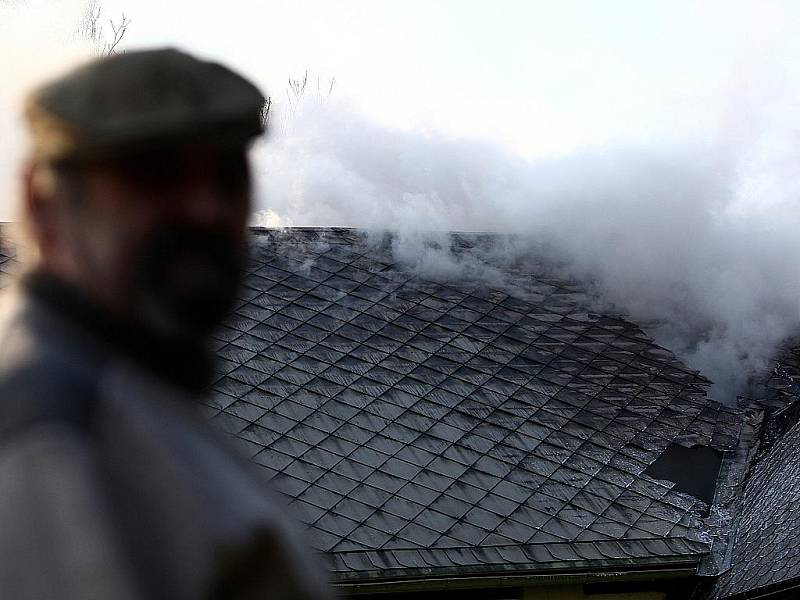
{"x": 88, "y": 24}
{"x": 297, "y": 91}
{"x": 119, "y": 32}
{"x": 89, "y": 28}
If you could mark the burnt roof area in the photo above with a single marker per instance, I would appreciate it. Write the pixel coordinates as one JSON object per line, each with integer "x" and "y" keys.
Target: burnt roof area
{"x": 431, "y": 431}
{"x": 694, "y": 470}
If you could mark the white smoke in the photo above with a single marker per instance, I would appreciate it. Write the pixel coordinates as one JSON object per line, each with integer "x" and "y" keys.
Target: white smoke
{"x": 697, "y": 237}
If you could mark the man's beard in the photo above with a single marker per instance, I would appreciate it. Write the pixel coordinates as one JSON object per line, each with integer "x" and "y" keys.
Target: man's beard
{"x": 188, "y": 279}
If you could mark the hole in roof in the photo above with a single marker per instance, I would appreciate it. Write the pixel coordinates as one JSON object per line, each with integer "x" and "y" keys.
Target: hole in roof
{"x": 693, "y": 470}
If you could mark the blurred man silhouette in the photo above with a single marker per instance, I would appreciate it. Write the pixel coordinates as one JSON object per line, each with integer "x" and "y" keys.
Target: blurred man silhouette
{"x": 136, "y": 199}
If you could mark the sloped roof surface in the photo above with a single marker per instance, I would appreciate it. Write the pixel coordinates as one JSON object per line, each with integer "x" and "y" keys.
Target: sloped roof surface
{"x": 435, "y": 428}
{"x": 767, "y": 545}
{"x": 766, "y": 548}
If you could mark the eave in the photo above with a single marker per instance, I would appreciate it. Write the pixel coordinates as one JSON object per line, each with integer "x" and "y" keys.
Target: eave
{"x": 417, "y": 580}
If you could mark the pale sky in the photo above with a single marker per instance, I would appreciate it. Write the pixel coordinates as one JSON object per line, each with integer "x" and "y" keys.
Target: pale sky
{"x": 541, "y": 77}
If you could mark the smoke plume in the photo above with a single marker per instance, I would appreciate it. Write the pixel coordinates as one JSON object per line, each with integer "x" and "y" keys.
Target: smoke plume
{"x": 696, "y": 238}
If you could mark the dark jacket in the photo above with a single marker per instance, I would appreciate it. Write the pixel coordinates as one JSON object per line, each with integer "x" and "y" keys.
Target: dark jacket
{"x": 111, "y": 485}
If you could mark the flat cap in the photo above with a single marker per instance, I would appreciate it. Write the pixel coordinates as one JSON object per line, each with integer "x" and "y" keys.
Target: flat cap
{"x": 141, "y": 101}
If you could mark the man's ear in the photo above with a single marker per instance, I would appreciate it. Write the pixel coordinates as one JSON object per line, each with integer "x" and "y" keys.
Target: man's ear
{"x": 40, "y": 208}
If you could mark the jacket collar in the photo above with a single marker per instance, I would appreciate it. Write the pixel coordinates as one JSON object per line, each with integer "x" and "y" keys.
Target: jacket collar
{"x": 186, "y": 365}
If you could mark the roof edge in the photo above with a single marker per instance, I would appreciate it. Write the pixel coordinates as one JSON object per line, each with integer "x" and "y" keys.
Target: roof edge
{"x": 434, "y": 580}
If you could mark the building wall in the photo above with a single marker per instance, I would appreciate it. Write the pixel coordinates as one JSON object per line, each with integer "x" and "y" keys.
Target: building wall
{"x": 651, "y": 589}
{"x": 578, "y": 592}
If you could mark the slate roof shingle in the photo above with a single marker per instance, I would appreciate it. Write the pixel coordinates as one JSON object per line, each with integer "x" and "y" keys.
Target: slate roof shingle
{"x": 421, "y": 425}
{"x": 766, "y": 535}
{"x": 767, "y": 543}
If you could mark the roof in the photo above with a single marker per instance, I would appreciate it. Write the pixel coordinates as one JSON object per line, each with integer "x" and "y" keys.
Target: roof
{"x": 767, "y": 547}
{"x": 456, "y": 428}
{"x": 439, "y": 428}
{"x": 766, "y": 553}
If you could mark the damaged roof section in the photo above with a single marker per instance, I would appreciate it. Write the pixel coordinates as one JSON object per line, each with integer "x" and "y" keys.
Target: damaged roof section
{"x": 425, "y": 427}
{"x": 694, "y": 470}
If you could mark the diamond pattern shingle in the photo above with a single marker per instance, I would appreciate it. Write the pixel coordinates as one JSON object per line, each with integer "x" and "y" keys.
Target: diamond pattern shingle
{"x": 424, "y": 425}
{"x": 767, "y": 540}
{"x": 765, "y": 557}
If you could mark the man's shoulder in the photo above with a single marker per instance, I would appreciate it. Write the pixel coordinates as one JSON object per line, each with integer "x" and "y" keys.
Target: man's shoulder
{"x": 45, "y": 374}
{"x": 58, "y": 536}
{"x": 190, "y": 513}
{"x": 217, "y": 514}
